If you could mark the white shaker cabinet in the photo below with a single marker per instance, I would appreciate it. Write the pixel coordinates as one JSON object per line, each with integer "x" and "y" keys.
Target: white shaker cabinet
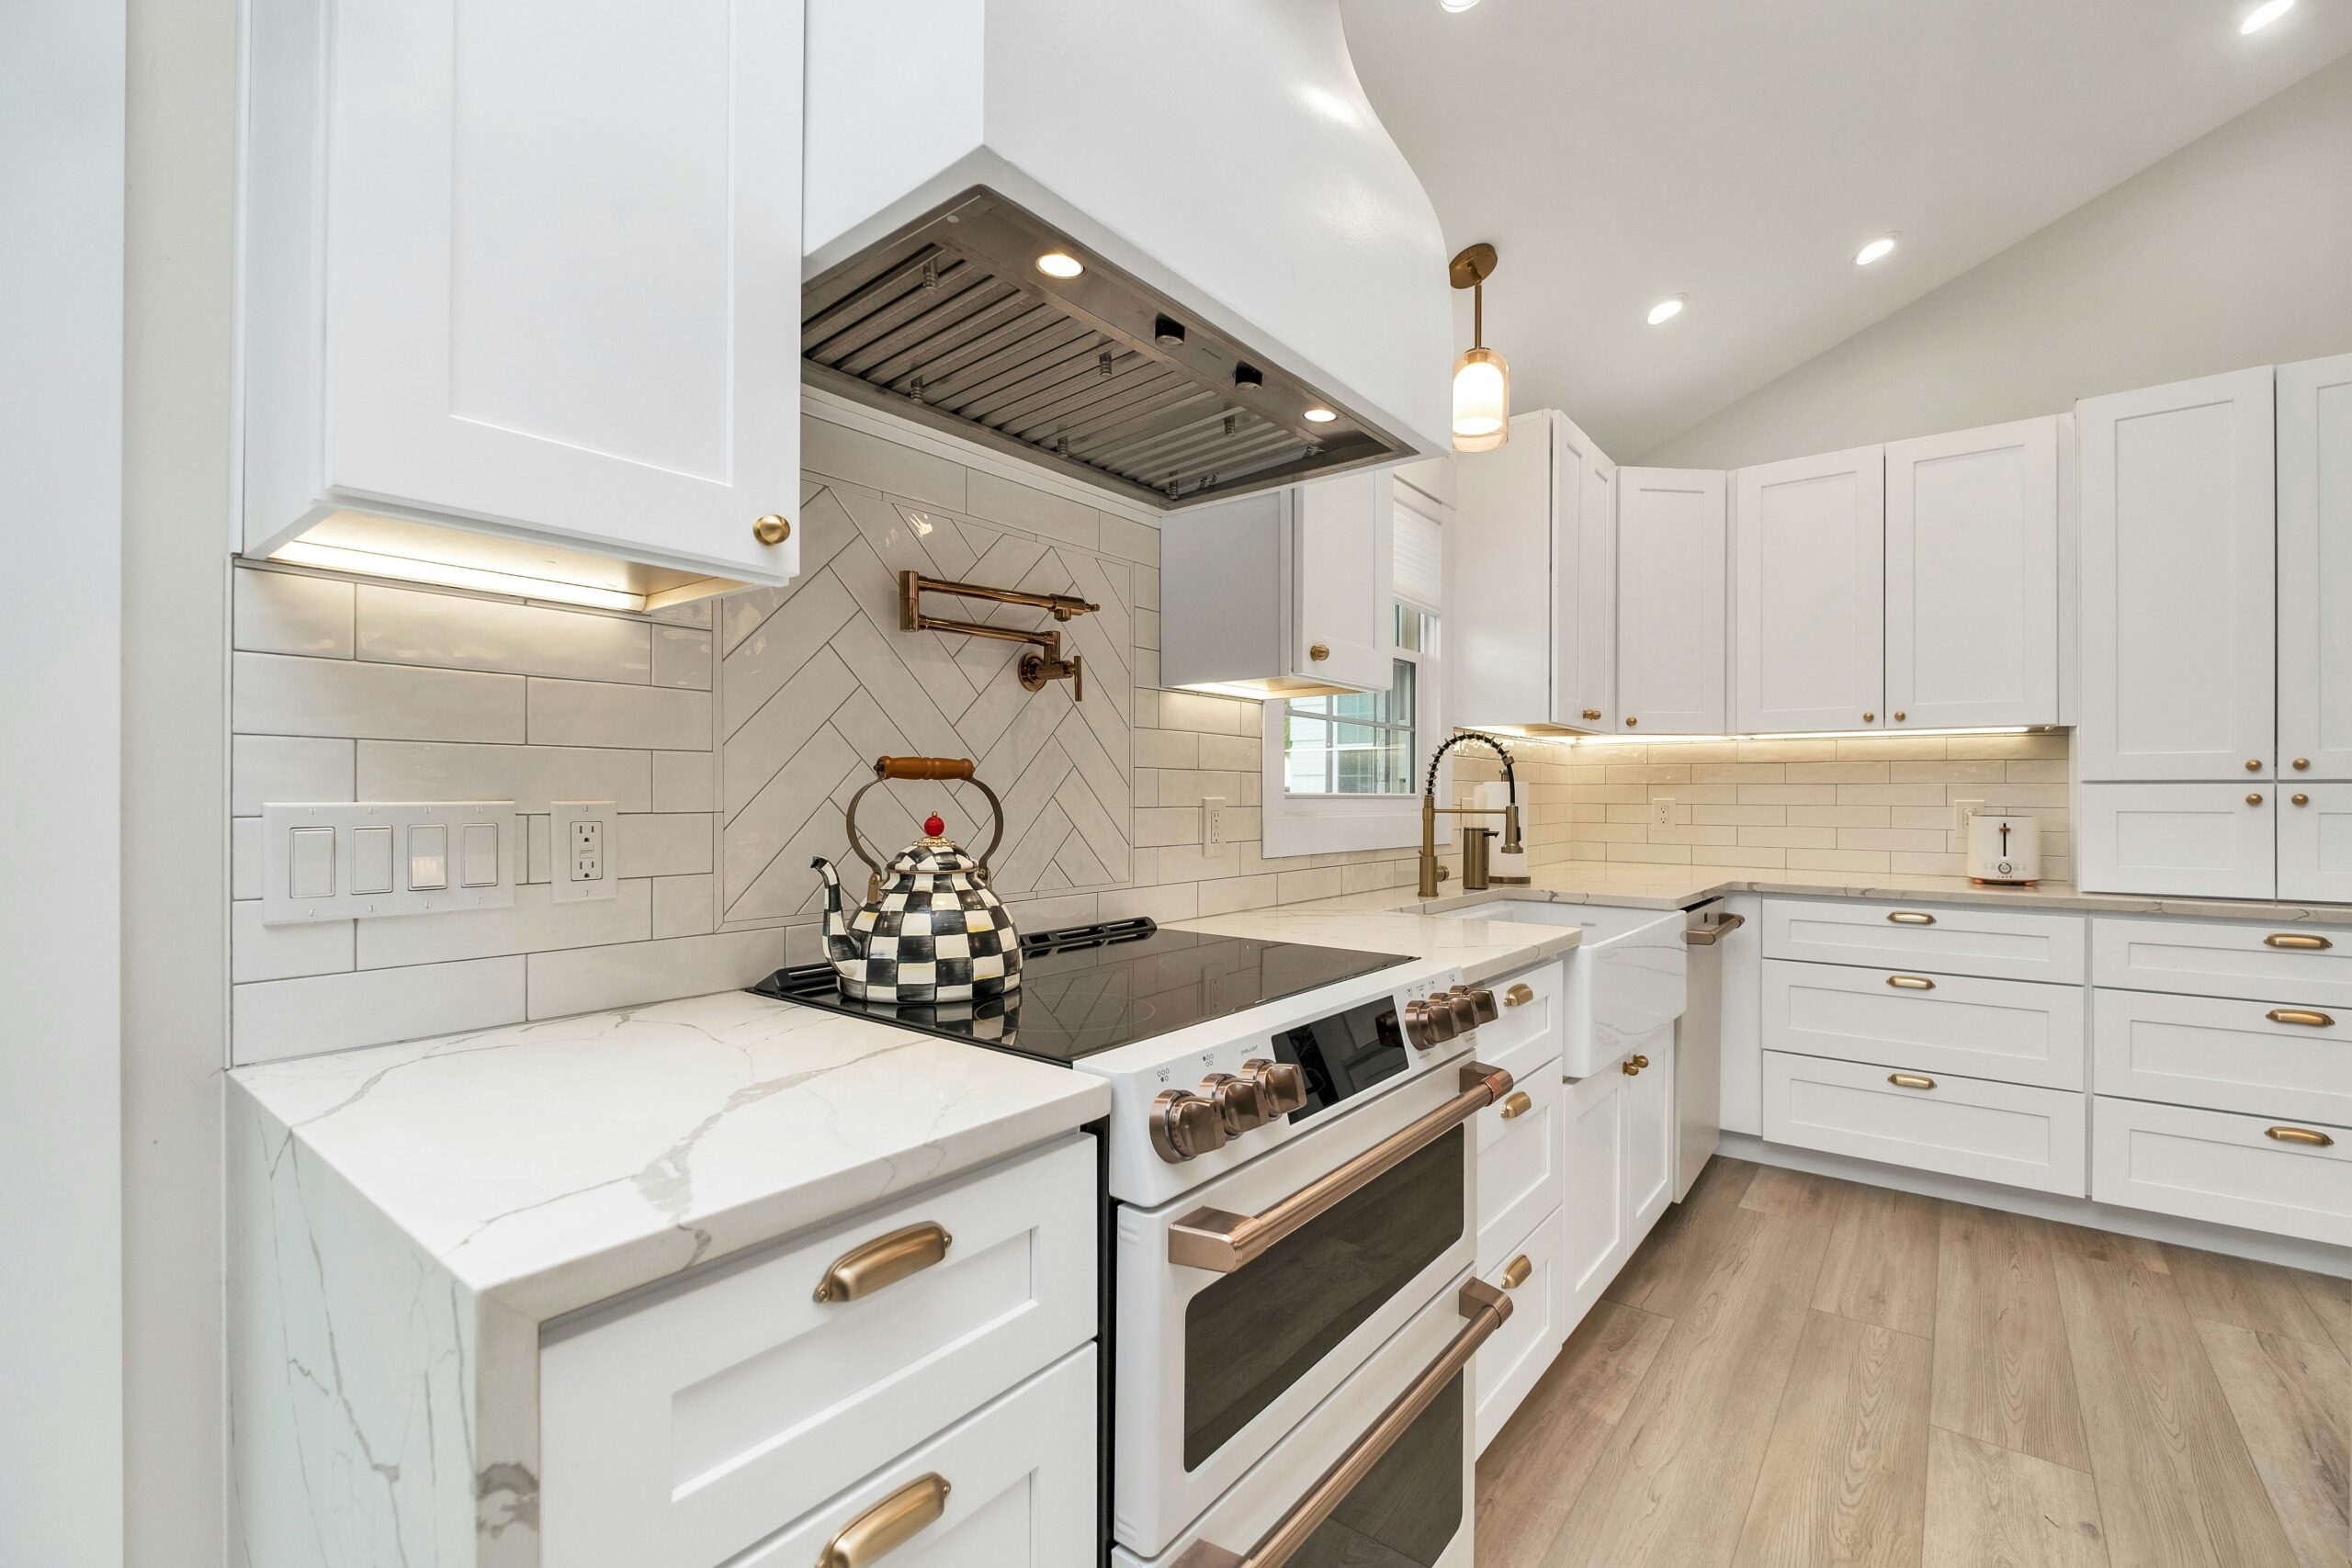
{"x": 530, "y": 271}
{"x": 1670, "y": 601}
{"x": 2177, "y": 585}
{"x": 1539, "y": 642}
{"x": 2314, "y": 574}
{"x": 1972, "y": 578}
{"x": 1620, "y": 1168}
{"x": 1810, "y": 594}
{"x": 2316, "y": 841}
{"x": 2216, "y": 840}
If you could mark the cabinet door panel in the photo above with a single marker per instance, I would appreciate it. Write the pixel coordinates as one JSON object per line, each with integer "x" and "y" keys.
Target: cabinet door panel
{"x": 2177, "y": 581}
{"x": 1812, "y": 594}
{"x": 1584, "y": 588}
{"x": 2315, "y": 568}
{"x": 1671, "y": 606}
{"x": 1499, "y": 660}
{"x": 1342, "y": 595}
{"x": 1648, "y": 1118}
{"x": 2315, "y": 842}
{"x": 1972, "y": 578}
{"x": 2215, "y": 839}
{"x": 1593, "y": 1209}
{"x": 562, "y": 263}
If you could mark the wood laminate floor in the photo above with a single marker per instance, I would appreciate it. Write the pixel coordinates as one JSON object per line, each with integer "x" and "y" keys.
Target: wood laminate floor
{"x": 1803, "y": 1372}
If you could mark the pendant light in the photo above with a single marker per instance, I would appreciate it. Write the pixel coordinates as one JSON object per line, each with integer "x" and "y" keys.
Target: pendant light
{"x": 1481, "y": 377}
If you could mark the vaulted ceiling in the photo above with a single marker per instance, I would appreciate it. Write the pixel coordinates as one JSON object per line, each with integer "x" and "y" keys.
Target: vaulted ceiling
{"x": 1740, "y": 152}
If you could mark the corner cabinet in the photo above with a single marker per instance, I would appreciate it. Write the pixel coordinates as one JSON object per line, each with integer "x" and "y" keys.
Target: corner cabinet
{"x": 1809, "y": 605}
{"x": 1529, "y": 646}
{"x": 1670, "y": 601}
{"x": 530, "y": 271}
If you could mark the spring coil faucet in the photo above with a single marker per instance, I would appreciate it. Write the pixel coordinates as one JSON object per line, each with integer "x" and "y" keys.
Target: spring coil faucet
{"x": 1431, "y": 873}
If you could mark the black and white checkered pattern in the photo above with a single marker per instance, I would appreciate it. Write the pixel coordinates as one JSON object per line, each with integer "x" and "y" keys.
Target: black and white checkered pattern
{"x": 936, "y": 935}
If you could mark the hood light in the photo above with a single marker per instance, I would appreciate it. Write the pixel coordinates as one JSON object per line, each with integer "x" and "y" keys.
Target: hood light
{"x": 1060, "y": 263}
{"x": 1320, "y": 416}
{"x": 2264, "y": 14}
{"x": 1877, "y": 250}
{"x": 1481, "y": 377}
{"x": 1665, "y": 310}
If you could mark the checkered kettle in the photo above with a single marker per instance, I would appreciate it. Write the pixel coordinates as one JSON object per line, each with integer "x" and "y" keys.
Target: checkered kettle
{"x": 931, "y": 930}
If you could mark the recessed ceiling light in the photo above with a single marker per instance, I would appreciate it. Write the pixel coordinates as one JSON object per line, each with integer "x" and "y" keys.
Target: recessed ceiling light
{"x": 1321, "y": 415}
{"x": 1457, "y": 5}
{"x": 2262, "y": 16}
{"x": 1665, "y": 310}
{"x": 1060, "y": 263}
{"x": 1877, "y": 250}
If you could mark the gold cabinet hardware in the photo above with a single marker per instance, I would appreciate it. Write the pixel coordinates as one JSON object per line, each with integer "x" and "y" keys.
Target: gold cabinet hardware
{"x": 2254, "y": 764}
{"x": 1707, "y": 936}
{"x": 1911, "y": 982}
{"x": 1910, "y": 1080}
{"x": 1516, "y": 1271}
{"x": 2254, "y": 799}
{"x": 772, "y": 529}
{"x": 1518, "y": 1105}
{"x": 2299, "y": 1136}
{"x": 1519, "y": 995}
{"x": 1486, "y": 1309}
{"x": 1633, "y": 1065}
{"x": 2300, "y": 799}
{"x": 1911, "y": 918}
{"x": 1899, "y": 716}
{"x": 1318, "y": 651}
{"x": 1592, "y": 713}
{"x": 2297, "y": 941}
{"x": 1222, "y": 1242}
{"x": 885, "y": 1261}
{"x": 889, "y": 1524}
{"x": 1631, "y": 721}
{"x": 2308, "y": 1017}
{"x": 1869, "y": 717}
{"x": 2303, "y": 763}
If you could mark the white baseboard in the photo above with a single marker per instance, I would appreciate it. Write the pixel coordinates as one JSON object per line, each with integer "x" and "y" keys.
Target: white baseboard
{"x": 2317, "y": 1257}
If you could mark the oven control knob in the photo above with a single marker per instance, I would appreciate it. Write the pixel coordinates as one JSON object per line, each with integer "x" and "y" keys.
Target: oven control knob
{"x": 1240, "y": 1104}
{"x": 1183, "y": 1125}
{"x": 1481, "y": 1004}
{"x": 1282, "y": 1086}
{"x": 1428, "y": 1021}
{"x": 1466, "y": 1011}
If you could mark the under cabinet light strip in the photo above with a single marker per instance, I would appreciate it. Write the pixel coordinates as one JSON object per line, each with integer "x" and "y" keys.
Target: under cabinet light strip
{"x": 1794, "y": 735}
{"x": 449, "y": 574}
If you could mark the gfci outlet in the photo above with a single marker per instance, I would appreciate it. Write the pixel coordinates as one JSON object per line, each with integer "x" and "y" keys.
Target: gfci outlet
{"x": 1213, "y": 820}
{"x": 1662, "y": 813}
{"x": 580, "y": 842}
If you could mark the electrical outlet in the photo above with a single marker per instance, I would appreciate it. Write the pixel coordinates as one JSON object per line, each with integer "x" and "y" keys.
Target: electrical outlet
{"x": 580, "y": 835}
{"x": 1212, "y": 818}
{"x": 1962, "y": 813}
{"x": 1662, "y": 813}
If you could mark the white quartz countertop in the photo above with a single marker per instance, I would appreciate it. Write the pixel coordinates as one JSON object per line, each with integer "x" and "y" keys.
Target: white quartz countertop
{"x": 552, "y": 1165}
{"x": 1483, "y": 948}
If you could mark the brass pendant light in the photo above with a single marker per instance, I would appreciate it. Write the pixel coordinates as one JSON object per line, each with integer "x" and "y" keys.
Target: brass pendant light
{"x": 1481, "y": 377}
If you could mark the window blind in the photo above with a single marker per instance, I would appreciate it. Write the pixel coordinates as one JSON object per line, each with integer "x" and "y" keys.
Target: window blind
{"x": 1418, "y": 560}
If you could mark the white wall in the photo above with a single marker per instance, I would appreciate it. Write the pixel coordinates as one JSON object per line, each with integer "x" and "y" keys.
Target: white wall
{"x": 2234, "y": 251}
{"x": 60, "y": 402}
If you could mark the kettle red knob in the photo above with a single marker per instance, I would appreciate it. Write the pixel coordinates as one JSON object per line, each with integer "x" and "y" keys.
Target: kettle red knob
{"x": 933, "y": 826}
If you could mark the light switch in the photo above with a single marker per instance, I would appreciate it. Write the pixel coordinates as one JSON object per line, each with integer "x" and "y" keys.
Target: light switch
{"x": 372, "y": 860}
{"x": 310, "y": 862}
{"x": 428, "y": 856}
{"x": 478, "y": 855}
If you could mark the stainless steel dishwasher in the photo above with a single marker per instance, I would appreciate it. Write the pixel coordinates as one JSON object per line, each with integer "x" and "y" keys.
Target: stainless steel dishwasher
{"x": 1698, "y": 1044}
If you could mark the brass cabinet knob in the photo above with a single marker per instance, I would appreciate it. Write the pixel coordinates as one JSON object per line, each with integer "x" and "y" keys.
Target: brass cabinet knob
{"x": 2254, "y": 764}
{"x": 1516, "y": 1271}
{"x": 2300, "y": 799}
{"x": 2301, "y": 763}
{"x": 1517, "y": 1106}
{"x": 1631, "y": 721}
{"x": 1633, "y": 1065}
{"x": 1592, "y": 712}
{"x": 1898, "y": 715}
{"x": 2254, "y": 799}
{"x": 772, "y": 529}
{"x": 1869, "y": 717}
{"x": 1519, "y": 995}
{"x": 1318, "y": 651}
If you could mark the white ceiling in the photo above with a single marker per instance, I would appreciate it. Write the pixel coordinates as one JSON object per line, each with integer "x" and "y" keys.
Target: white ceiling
{"x": 1617, "y": 152}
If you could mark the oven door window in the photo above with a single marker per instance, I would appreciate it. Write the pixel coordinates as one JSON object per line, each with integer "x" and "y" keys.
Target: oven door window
{"x": 1255, "y": 1332}
{"x": 1404, "y": 1512}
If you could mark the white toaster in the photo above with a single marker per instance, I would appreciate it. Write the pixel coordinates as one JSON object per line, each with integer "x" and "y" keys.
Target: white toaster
{"x": 2004, "y": 847}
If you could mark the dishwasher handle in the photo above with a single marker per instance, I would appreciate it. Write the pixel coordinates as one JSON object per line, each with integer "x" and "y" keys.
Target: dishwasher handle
{"x": 1710, "y": 935}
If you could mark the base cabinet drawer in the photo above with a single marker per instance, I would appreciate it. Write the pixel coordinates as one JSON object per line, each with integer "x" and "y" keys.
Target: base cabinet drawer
{"x": 691, "y": 1425}
{"x": 1010, "y": 1486}
{"x": 2189, "y": 840}
{"x": 2001, "y": 944}
{"x": 2224, "y": 1055}
{"x": 1527, "y": 1024}
{"x": 1521, "y": 1142}
{"x": 2287, "y": 965}
{"x": 1992, "y": 1132}
{"x": 2015, "y": 1031}
{"x": 1510, "y": 1363}
{"x": 2291, "y": 1178}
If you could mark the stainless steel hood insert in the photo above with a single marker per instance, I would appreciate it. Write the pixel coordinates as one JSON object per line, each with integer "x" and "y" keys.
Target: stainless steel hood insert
{"x": 948, "y": 321}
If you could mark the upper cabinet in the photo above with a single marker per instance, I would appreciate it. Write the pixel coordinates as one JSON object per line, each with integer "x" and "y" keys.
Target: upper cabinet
{"x": 1670, "y": 601}
{"x": 1532, "y": 638}
{"x": 1972, "y": 578}
{"x": 2316, "y": 570}
{"x": 531, "y": 272}
{"x": 1341, "y": 625}
{"x": 2177, "y": 582}
{"x": 1810, "y": 595}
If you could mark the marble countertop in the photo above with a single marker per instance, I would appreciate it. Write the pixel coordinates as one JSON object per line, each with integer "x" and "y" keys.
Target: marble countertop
{"x": 1483, "y": 948}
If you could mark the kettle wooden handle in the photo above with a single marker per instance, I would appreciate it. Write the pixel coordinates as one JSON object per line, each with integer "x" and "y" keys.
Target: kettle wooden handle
{"x": 922, "y": 767}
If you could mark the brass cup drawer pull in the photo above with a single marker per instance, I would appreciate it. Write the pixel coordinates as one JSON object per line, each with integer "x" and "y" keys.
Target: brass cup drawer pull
{"x": 1486, "y": 1309}
{"x": 1222, "y": 1242}
{"x": 888, "y": 1525}
{"x": 1519, "y": 995}
{"x": 1911, "y": 918}
{"x": 885, "y": 1261}
{"x": 1516, "y": 1272}
{"x": 2298, "y": 942}
{"x": 1518, "y": 1105}
{"x": 2309, "y": 1018}
{"x": 1911, "y": 982}
{"x": 1910, "y": 1080}
{"x": 2299, "y": 1136}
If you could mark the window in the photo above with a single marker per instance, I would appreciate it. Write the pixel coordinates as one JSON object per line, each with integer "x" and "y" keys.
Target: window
{"x": 1362, "y": 743}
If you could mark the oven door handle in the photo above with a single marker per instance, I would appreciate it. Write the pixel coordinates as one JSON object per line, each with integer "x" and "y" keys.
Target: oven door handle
{"x": 1486, "y": 1308}
{"x": 1222, "y": 1242}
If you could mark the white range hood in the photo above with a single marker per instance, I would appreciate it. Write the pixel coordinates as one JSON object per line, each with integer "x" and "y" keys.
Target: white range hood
{"x": 1218, "y": 170}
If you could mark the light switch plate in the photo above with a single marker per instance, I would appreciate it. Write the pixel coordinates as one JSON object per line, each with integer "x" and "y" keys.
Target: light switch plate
{"x": 580, "y": 843}
{"x": 358, "y": 857}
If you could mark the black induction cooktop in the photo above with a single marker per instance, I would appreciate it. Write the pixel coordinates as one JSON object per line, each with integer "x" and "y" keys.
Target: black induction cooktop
{"x": 1089, "y": 988}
